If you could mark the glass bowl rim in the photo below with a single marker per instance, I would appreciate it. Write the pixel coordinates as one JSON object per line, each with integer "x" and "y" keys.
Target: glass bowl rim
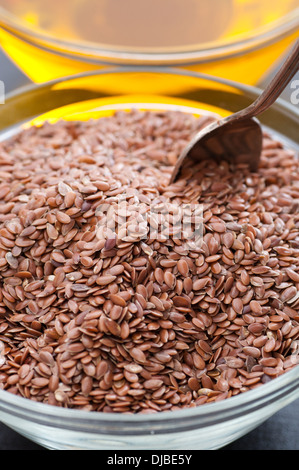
{"x": 252, "y": 398}
{"x": 251, "y": 90}
{"x": 231, "y": 407}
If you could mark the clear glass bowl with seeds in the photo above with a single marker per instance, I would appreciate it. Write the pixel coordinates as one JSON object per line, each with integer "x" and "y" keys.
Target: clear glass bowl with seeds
{"x": 203, "y": 403}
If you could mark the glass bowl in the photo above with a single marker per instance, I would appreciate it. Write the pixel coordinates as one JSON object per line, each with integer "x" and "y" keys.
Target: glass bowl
{"x": 233, "y": 39}
{"x": 209, "y": 426}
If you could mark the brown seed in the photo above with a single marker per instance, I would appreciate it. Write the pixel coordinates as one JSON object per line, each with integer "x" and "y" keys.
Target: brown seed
{"x": 245, "y": 278}
{"x": 199, "y": 284}
{"x": 256, "y": 307}
{"x": 218, "y": 227}
{"x": 228, "y": 239}
{"x": 69, "y": 198}
{"x": 87, "y": 261}
{"x": 53, "y": 383}
{"x": 105, "y": 280}
{"x": 106, "y": 304}
{"x": 222, "y": 384}
{"x": 292, "y": 274}
{"x": 198, "y": 323}
{"x": 198, "y": 361}
{"x": 193, "y": 384}
{"x": 24, "y": 371}
{"x": 63, "y": 217}
{"x": 40, "y": 382}
{"x": 118, "y": 300}
{"x": 234, "y": 362}
{"x": 52, "y": 232}
{"x": 252, "y": 351}
{"x": 58, "y": 257}
{"x": 270, "y": 345}
{"x": 153, "y": 384}
{"x": 159, "y": 275}
{"x": 133, "y": 368}
{"x": 63, "y": 188}
{"x": 180, "y": 301}
{"x": 256, "y": 328}
{"x": 237, "y": 305}
{"x": 138, "y": 355}
{"x": 116, "y": 270}
{"x": 12, "y": 261}
{"x": 86, "y": 385}
{"x": 79, "y": 288}
{"x": 288, "y": 293}
{"x": 113, "y": 327}
{"x": 170, "y": 279}
{"x": 183, "y": 267}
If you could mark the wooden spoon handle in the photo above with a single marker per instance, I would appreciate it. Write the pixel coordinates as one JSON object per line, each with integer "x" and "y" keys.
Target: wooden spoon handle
{"x": 275, "y": 87}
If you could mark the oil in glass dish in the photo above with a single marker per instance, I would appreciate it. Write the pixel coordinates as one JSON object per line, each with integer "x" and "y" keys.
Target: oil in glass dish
{"x": 234, "y": 39}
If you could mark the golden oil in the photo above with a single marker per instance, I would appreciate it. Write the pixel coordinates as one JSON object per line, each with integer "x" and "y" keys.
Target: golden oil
{"x": 233, "y": 39}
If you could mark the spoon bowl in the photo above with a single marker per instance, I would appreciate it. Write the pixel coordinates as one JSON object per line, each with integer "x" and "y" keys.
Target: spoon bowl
{"x": 238, "y": 137}
{"x": 239, "y": 141}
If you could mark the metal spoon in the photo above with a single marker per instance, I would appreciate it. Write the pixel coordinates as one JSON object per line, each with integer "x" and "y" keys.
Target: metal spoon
{"x": 238, "y": 137}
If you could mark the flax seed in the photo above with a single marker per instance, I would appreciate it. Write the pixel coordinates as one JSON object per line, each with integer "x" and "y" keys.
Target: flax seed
{"x": 183, "y": 267}
{"x": 130, "y": 318}
{"x": 105, "y": 280}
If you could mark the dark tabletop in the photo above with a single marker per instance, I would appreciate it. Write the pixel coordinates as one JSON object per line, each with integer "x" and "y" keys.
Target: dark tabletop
{"x": 280, "y": 432}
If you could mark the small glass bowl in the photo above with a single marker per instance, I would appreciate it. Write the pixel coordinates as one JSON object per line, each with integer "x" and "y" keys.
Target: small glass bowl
{"x": 245, "y": 54}
{"x": 209, "y": 426}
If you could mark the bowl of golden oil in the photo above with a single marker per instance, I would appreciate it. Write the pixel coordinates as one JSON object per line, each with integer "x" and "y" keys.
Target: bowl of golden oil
{"x": 231, "y": 39}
